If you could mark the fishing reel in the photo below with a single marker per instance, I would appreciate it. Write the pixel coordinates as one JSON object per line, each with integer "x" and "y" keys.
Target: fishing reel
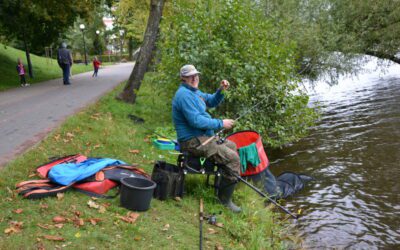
{"x": 220, "y": 139}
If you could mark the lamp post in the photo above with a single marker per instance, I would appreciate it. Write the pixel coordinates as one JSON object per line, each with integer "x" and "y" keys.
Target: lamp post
{"x": 121, "y": 32}
{"x": 82, "y": 27}
{"x": 112, "y": 44}
{"x": 98, "y": 44}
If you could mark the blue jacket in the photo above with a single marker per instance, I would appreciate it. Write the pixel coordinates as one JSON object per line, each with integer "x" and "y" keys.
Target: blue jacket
{"x": 189, "y": 112}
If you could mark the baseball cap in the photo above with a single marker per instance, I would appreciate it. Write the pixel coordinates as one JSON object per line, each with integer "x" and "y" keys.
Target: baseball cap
{"x": 189, "y": 70}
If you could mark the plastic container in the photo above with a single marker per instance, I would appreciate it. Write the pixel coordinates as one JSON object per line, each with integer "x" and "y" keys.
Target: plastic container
{"x": 136, "y": 193}
{"x": 164, "y": 144}
{"x": 245, "y": 138}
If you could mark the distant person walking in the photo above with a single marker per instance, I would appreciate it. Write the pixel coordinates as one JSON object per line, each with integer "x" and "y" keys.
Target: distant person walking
{"x": 96, "y": 66}
{"x": 21, "y": 72}
{"x": 64, "y": 59}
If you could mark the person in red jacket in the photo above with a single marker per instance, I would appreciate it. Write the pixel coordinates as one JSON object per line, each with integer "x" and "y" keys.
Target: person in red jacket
{"x": 96, "y": 66}
{"x": 21, "y": 72}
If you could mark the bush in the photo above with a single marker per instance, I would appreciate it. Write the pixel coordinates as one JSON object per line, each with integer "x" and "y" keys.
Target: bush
{"x": 232, "y": 39}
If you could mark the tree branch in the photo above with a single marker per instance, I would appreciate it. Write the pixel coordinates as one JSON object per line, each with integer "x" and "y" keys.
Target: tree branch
{"x": 383, "y": 55}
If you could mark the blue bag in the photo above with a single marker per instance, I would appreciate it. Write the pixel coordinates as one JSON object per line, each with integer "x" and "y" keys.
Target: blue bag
{"x": 68, "y": 173}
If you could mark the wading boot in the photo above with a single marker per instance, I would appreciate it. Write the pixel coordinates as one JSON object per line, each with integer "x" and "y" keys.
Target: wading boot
{"x": 225, "y": 191}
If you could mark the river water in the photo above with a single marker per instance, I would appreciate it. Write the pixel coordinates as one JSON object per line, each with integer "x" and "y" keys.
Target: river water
{"x": 354, "y": 155}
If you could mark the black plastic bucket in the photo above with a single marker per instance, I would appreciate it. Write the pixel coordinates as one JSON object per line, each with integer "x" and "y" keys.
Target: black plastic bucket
{"x": 136, "y": 193}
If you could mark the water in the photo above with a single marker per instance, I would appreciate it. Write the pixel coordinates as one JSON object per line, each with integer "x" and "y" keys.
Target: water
{"x": 354, "y": 154}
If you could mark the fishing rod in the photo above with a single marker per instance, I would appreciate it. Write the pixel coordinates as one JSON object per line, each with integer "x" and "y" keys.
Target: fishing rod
{"x": 201, "y": 218}
{"x": 223, "y": 129}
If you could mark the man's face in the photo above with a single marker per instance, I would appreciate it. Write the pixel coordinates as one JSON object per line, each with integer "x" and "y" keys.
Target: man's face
{"x": 195, "y": 80}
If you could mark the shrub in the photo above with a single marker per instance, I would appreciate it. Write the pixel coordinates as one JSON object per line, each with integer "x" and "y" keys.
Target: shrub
{"x": 232, "y": 39}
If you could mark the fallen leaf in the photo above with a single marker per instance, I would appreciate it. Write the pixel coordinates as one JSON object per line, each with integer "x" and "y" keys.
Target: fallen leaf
{"x": 12, "y": 230}
{"x": 166, "y": 227}
{"x": 44, "y": 206}
{"x": 16, "y": 224}
{"x": 211, "y": 231}
{"x": 219, "y": 224}
{"x": 57, "y": 137}
{"x": 178, "y": 199}
{"x": 77, "y": 213}
{"x": 169, "y": 237}
{"x": 60, "y": 225}
{"x": 9, "y": 191}
{"x": 134, "y": 151}
{"x": 65, "y": 140}
{"x": 78, "y": 235}
{"x": 79, "y": 222}
{"x": 93, "y": 204}
{"x": 31, "y": 175}
{"x": 70, "y": 135}
{"x": 107, "y": 204}
{"x": 59, "y": 219}
{"x": 53, "y": 237}
{"x": 137, "y": 238}
{"x": 18, "y": 211}
{"x": 96, "y": 146}
{"x": 60, "y": 196}
{"x": 94, "y": 221}
{"x": 218, "y": 247}
{"x": 130, "y": 218}
{"x": 102, "y": 209}
{"x": 44, "y": 226}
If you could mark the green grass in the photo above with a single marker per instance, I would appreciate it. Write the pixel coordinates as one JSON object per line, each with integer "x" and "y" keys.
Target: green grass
{"x": 43, "y": 69}
{"x": 104, "y": 130}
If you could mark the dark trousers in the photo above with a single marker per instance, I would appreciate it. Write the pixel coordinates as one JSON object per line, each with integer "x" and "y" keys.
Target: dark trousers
{"x": 96, "y": 70}
{"x": 66, "y": 71}
{"x": 22, "y": 79}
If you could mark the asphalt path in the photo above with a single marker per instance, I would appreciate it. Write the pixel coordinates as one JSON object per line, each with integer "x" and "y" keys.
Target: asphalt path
{"x": 28, "y": 114}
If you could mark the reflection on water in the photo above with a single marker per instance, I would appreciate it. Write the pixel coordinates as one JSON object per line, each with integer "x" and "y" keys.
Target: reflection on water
{"x": 354, "y": 154}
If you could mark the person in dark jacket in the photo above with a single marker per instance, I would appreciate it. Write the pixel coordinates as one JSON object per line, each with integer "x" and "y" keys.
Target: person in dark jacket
{"x": 194, "y": 126}
{"x": 64, "y": 59}
{"x": 21, "y": 72}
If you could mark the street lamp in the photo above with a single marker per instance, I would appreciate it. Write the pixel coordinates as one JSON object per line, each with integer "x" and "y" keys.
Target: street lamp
{"x": 98, "y": 44}
{"x": 82, "y": 27}
{"x": 121, "y": 32}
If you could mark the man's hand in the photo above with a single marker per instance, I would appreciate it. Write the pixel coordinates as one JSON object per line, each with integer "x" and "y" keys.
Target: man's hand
{"x": 228, "y": 123}
{"x": 224, "y": 84}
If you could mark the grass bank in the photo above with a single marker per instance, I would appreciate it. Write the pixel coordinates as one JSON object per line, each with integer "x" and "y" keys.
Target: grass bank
{"x": 104, "y": 130}
{"x": 43, "y": 68}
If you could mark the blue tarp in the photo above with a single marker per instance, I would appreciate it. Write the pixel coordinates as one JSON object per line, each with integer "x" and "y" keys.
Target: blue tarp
{"x": 67, "y": 173}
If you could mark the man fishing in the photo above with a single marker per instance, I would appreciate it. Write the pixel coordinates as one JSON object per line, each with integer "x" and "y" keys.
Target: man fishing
{"x": 194, "y": 126}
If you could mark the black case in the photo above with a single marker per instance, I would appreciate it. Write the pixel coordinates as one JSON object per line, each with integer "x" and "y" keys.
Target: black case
{"x": 169, "y": 179}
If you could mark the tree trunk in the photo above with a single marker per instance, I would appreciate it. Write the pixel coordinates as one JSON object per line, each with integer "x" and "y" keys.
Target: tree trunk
{"x": 28, "y": 58}
{"x": 130, "y": 48}
{"x": 145, "y": 55}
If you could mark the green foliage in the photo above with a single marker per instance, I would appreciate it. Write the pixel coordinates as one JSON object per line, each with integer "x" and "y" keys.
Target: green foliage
{"x": 233, "y": 40}
{"x": 40, "y": 22}
{"x": 322, "y": 28}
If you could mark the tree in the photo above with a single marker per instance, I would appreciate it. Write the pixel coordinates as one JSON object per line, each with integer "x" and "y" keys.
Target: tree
{"x": 39, "y": 23}
{"x": 145, "y": 54}
{"x": 232, "y": 39}
{"x": 131, "y": 16}
{"x": 332, "y": 34}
